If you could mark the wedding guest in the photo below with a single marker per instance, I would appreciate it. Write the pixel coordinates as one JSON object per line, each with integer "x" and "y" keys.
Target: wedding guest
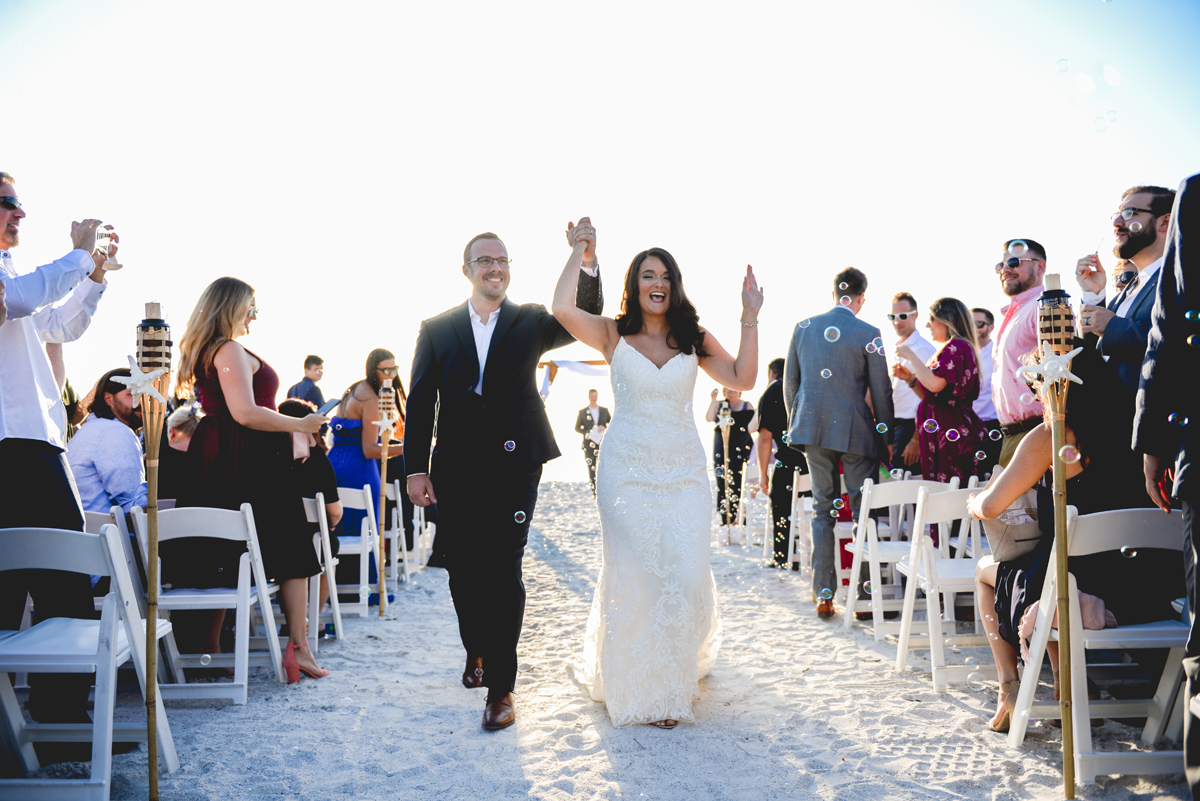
{"x": 592, "y": 417}
{"x": 903, "y": 318}
{"x": 41, "y": 492}
{"x": 729, "y": 471}
{"x": 1021, "y": 273}
{"x": 242, "y": 450}
{"x": 105, "y": 456}
{"x": 1135, "y": 590}
{"x": 306, "y": 388}
{"x": 778, "y": 478}
{"x": 948, "y": 429}
{"x": 174, "y": 468}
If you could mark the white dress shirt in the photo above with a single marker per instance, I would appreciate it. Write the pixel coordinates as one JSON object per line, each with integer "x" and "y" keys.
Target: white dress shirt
{"x": 983, "y": 406}
{"x": 106, "y": 460}
{"x": 25, "y": 294}
{"x": 904, "y": 400}
{"x": 30, "y": 402}
{"x": 483, "y": 338}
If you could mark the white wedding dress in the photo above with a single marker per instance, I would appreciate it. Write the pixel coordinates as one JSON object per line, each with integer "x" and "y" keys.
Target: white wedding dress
{"x": 654, "y": 629}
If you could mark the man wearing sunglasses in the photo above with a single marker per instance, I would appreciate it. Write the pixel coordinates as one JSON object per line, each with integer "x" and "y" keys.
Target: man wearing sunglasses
{"x": 1118, "y": 324}
{"x": 905, "y": 401}
{"x": 38, "y": 489}
{"x": 1021, "y": 269}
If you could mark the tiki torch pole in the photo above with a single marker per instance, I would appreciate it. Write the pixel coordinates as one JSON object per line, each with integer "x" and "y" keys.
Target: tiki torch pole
{"x": 387, "y": 417}
{"x": 1056, "y": 331}
{"x": 153, "y": 354}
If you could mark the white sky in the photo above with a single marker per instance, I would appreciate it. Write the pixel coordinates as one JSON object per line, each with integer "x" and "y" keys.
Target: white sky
{"x": 339, "y": 157}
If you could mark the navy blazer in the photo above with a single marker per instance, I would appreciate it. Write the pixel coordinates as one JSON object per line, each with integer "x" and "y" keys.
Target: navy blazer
{"x": 1168, "y": 413}
{"x": 1124, "y": 339}
{"x": 509, "y": 421}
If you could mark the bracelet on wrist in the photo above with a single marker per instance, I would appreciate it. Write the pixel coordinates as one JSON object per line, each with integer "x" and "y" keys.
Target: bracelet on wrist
{"x": 749, "y": 325}
{"x": 590, "y": 265}
{"x": 912, "y": 382}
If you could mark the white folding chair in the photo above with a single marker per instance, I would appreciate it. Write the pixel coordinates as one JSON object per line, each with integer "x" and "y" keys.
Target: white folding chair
{"x": 879, "y": 551}
{"x": 1089, "y": 534}
{"x": 361, "y": 545}
{"x": 424, "y": 533}
{"x": 314, "y": 508}
{"x": 941, "y": 579}
{"x": 93, "y": 522}
{"x": 224, "y": 524}
{"x": 65, "y": 645}
{"x": 397, "y": 541}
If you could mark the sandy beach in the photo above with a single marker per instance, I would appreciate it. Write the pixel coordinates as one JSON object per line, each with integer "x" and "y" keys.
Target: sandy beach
{"x": 797, "y": 708}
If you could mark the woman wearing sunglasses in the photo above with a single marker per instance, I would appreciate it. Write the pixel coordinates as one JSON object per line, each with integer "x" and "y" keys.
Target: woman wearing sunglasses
{"x": 356, "y": 449}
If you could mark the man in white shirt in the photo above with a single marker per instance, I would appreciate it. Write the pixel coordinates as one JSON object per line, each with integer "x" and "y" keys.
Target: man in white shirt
{"x": 985, "y": 322}
{"x": 38, "y": 489}
{"x": 105, "y": 456}
{"x": 1117, "y": 327}
{"x": 903, "y": 318}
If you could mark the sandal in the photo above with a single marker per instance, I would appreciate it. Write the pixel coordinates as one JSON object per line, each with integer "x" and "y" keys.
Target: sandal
{"x": 1009, "y": 688}
{"x": 669, "y": 723}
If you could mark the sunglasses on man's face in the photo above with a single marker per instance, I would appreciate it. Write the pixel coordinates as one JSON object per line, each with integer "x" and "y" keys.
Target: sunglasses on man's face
{"x": 902, "y": 317}
{"x": 10, "y": 203}
{"x": 1011, "y": 264}
{"x": 981, "y": 323}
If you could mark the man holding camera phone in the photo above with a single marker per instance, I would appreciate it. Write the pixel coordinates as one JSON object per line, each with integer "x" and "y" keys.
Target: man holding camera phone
{"x": 38, "y": 489}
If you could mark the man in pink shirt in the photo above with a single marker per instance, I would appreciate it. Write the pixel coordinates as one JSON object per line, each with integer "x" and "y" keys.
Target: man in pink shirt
{"x": 1017, "y": 408}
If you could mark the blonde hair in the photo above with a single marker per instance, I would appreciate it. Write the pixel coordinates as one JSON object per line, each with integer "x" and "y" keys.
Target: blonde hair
{"x": 217, "y": 319}
{"x": 954, "y": 314}
{"x": 185, "y": 419}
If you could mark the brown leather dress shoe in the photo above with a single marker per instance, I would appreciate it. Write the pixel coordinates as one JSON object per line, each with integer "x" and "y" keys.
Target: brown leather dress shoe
{"x": 825, "y": 608}
{"x": 499, "y": 712}
{"x": 473, "y": 672}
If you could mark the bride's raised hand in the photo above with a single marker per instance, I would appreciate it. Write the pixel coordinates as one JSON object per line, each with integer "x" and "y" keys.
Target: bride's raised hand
{"x": 752, "y": 296}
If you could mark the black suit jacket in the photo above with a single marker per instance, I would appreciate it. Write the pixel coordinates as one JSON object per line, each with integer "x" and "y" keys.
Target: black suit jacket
{"x": 445, "y": 370}
{"x": 1172, "y": 361}
{"x": 584, "y": 423}
{"x": 1124, "y": 340}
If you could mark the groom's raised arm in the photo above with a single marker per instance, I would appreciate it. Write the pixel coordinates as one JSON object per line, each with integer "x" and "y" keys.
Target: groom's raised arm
{"x": 589, "y": 296}
{"x": 422, "y": 402}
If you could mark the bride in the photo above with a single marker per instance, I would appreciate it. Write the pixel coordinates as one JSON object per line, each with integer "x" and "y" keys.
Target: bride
{"x": 654, "y": 628}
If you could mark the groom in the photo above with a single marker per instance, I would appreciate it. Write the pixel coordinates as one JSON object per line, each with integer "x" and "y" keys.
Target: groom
{"x": 473, "y": 383}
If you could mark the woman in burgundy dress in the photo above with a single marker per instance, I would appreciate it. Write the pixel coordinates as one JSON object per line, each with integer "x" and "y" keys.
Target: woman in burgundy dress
{"x": 950, "y": 432}
{"x": 241, "y": 452}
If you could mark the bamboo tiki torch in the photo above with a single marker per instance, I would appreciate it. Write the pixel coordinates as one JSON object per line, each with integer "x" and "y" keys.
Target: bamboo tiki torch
{"x": 725, "y": 419}
{"x": 1056, "y": 329}
{"x": 153, "y": 353}
{"x": 387, "y": 417}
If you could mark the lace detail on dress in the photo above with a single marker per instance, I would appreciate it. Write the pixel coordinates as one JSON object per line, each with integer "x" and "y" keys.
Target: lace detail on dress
{"x": 654, "y": 628}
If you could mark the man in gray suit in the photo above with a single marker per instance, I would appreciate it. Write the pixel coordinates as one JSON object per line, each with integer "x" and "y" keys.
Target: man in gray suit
{"x": 839, "y": 402}
{"x": 1119, "y": 326}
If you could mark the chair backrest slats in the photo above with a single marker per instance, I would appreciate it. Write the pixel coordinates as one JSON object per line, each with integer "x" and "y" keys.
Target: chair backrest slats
{"x": 945, "y": 507}
{"x": 1112, "y": 531}
{"x": 894, "y": 493}
{"x": 53, "y": 548}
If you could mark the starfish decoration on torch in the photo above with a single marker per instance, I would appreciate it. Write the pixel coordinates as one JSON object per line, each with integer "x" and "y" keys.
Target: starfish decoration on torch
{"x": 386, "y": 422}
{"x": 1053, "y": 367}
{"x": 141, "y": 383}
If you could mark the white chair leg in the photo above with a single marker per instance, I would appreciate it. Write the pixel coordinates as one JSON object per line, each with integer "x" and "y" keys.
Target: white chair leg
{"x": 906, "y": 620}
{"x": 1169, "y": 688}
{"x": 314, "y": 612}
{"x": 860, "y": 544}
{"x": 937, "y": 654}
{"x": 19, "y": 749}
{"x": 105, "y": 698}
{"x": 877, "y": 617}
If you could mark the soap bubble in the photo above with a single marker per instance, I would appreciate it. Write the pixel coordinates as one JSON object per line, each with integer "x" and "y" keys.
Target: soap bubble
{"x": 1191, "y": 315}
{"x": 971, "y": 661}
{"x": 952, "y": 435}
{"x": 1129, "y": 552}
{"x": 621, "y": 387}
{"x": 1018, "y": 247}
{"x": 1100, "y": 124}
{"x": 1063, "y": 65}
{"x": 787, "y": 438}
{"x": 1178, "y": 419}
{"x": 1111, "y": 75}
{"x": 843, "y": 286}
{"x": 1069, "y": 454}
{"x": 1072, "y": 103}
{"x": 778, "y": 465}
{"x": 833, "y": 334}
{"x": 980, "y": 455}
{"x": 838, "y": 503}
{"x": 844, "y": 300}
{"x": 1194, "y": 340}
{"x": 510, "y": 446}
{"x": 347, "y": 706}
{"x": 619, "y": 506}
{"x": 1026, "y": 398}
{"x": 995, "y": 435}
{"x": 826, "y": 373}
{"x": 519, "y": 517}
{"x": 930, "y": 426}
{"x": 805, "y": 323}
{"x": 589, "y": 461}
{"x": 833, "y": 512}
{"x": 826, "y": 594}
{"x": 364, "y": 592}
{"x": 975, "y": 678}
{"x": 205, "y": 659}
{"x": 1135, "y": 227}
{"x": 896, "y": 473}
{"x": 687, "y": 407}
{"x": 878, "y": 343}
{"x": 871, "y": 347}
{"x": 1111, "y": 116}
{"x": 867, "y": 586}
{"x": 881, "y": 428}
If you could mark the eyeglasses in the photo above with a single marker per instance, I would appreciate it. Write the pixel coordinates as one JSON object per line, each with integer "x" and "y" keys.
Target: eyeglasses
{"x": 253, "y": 312}
{"x": 487, "y": 261}
{"x": 1011, "y": 264}
{"x": 10, "y": 203}
{"x": 981, "y": 323}
{"x": 1119, "y": 281}
{"x": 902, "y": 316}
{"x": 387, "y": 371}
{"x": 1127, "y": 214}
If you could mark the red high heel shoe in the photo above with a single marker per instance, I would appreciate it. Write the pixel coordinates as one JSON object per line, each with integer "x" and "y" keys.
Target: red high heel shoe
{"x": 293, "y": 669}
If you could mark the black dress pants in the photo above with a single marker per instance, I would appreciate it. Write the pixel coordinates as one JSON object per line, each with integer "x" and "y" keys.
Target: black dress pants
{"x": 591, "y": 452}
{"x": 484, "y": 518}
{"x": 39, "y": 491}
{"x": 728, "y": 499}
{"x": 782, "y": 483}
{"x": 1191, "y": 660}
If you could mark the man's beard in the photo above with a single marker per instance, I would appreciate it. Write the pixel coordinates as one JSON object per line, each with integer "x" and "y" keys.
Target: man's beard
{"x": 1021, "y": 287}
{"x": 1135, "y": 243}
